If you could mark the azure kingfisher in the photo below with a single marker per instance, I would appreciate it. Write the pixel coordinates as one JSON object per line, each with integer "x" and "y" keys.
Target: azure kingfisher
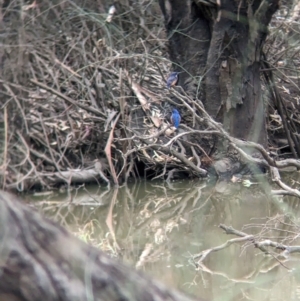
{"x": 175, "y": 118}
{"x": 172, "y": 79}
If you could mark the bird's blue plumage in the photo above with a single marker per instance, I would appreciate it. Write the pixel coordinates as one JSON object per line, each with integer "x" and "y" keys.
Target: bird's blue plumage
{"x": 175, "y": 118}
{"x": 172, "y": 80}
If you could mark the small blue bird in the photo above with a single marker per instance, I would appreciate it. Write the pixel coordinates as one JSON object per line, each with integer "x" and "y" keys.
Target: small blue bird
{"x": 175, "y": 118}
{"x": 172, "y": 79}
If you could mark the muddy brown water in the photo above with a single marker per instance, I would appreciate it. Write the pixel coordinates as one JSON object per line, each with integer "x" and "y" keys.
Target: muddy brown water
{"x": 159, "y": 228}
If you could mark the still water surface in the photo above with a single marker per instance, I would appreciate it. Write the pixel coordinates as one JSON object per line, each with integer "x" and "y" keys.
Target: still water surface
{"x": 160, "y": 228}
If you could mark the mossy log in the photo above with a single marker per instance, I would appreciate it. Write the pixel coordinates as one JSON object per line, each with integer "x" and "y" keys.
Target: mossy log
{"x": 40, "y": 260}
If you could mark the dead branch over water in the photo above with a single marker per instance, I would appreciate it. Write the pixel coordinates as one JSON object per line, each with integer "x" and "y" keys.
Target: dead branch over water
{"x": 278, "y": 252}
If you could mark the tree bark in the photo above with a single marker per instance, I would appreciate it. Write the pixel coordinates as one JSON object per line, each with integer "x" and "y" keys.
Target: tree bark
{"x": 222, "y": 42}
{"x": 189, "y": 37}
{"x": 40, "y": 260}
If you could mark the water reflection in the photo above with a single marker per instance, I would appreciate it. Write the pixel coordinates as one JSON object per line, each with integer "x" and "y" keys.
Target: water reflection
{"x": 160, "y": 228}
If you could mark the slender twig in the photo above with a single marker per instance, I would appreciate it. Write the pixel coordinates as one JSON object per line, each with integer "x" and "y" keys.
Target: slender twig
{"x": 108, "y": 150}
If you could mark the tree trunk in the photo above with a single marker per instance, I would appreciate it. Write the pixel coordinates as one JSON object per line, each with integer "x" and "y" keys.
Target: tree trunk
{"x": 40, "y": 260}
{"x": 222, "y": 43}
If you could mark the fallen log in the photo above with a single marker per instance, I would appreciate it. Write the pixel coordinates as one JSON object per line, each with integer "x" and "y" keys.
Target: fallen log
{"x": 40, "y": 260}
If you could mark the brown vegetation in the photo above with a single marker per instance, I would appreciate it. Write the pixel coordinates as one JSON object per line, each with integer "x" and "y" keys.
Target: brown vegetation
{"x": 84, "y": 97}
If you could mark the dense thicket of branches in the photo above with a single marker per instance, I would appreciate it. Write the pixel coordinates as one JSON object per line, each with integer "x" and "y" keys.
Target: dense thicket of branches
{"x": 83, "y": 96}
